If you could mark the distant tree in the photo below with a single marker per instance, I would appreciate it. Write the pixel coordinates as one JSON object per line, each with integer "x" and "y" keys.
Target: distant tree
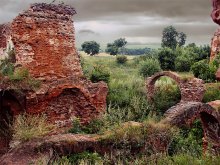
{"x": 90, "y": 47}
{"x": 200, "y": 52}
{"x": 171, "y": 38}
{"x": 181, "y": 39}
{"x": 121, "y": 42}
{"x": 113, "y": 48}
{"x": 137, "y": 51}
{"x": 191, "y": 45}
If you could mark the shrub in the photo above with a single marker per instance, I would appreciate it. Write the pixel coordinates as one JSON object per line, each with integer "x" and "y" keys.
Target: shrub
{"x": 85, "y": 158}
{"x": 183, "y": 63}
{"x": 27, "y": 127}
{"x": 149, "y": 67}
{"x": 92, "y": 127}
{"x": 167, "y": 58}
{"x": 6, "y": 67}
{"x": 166, "y": 95}
{"x": 189, "y": 140}
{"x": 133, "y": 135}
{"x": 122, "y": 59}
{"x": 19, "y": 74}
{"x": 212, "y": 92}
{"x": 100, "y": 73}
{"x": 204, "y": 70}
{"x": 76, "y": 126}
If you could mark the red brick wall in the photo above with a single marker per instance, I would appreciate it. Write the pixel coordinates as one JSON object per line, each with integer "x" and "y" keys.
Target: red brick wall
{"x": 45, "y": 44}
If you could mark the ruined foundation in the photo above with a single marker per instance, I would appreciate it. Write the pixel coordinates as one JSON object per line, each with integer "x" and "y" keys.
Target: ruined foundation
{"x": 44, "y": 43}
{"x": 190, "y": 107}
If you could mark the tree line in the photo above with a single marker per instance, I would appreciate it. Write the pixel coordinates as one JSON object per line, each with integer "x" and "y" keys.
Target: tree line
{"x": 173, "y": 55}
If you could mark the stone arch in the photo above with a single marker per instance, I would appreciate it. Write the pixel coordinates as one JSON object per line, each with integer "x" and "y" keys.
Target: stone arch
{"x": 185, "y": 113}
{"x": 74, "y": 103}
{"x": 10, "y": 106}
{"x": 211, "y": 127}
{"x": 191, "y": 89}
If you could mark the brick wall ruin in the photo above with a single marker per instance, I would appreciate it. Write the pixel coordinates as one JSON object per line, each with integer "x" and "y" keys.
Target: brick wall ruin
{"x": 44, "y": 40}
{"x": 44, "y": 43}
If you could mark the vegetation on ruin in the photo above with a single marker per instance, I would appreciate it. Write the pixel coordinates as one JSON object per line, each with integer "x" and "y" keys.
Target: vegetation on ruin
{"x": 16, "y": 78}
{"x": 127, "y": 102}
{"x": 28, "y": 126}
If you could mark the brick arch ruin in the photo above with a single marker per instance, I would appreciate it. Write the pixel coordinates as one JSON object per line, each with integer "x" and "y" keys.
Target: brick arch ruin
{"x": 44, "y": 43}
{"x": 190, "y": 107}
{"x": 191, "y": 89}
{"x": 185, "y": 113}
{"x": 68, "y": 98}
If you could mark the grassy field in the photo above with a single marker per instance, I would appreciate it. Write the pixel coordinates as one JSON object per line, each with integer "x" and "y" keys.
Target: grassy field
{"x": 127, "y": 102}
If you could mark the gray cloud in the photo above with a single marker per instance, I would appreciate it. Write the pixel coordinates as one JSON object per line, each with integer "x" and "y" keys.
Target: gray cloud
{"x": 87, "y": 32}
{"x": 134, "y": 19}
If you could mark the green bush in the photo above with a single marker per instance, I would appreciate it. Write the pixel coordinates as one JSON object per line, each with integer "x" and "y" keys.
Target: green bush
{"x": 212, "y": 92}
{"x": 19, "y": 74}
{"x": 167, "y": 94}
{"x": 122, "y": 59}
{"x": 149, "y": 67}
{"x": 99, "y": 73}
{"x": 6, "y": 67}
{"x": 167, "y": 58}
{"x": 183, "y": 63}
{"x": 85, "y": 158}
{"x": 204, "y": 70}
{"x": 189, "y": 140}
{"x": 91, "y": 128}
{"x": 76, "y": 126}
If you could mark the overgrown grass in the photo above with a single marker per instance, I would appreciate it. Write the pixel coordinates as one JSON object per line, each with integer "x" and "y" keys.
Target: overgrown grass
{"x": 160, "y": 159}
{"x": 27, "y": 127}
{"x": 127, "y": 102}
{"x": 167, "y": 94}
{"x": 16, "y": 78}
{"x": 212, "y": 92}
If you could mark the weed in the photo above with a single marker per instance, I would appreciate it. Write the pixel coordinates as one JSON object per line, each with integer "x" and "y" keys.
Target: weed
{"x": 27, "y": 127}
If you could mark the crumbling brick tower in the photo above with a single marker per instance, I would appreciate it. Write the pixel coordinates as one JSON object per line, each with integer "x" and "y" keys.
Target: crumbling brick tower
{"x": 44, "y": 42}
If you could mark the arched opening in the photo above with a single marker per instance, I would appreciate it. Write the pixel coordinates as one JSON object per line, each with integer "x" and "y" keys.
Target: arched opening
{"x": 167, "y": 93}
{"x": 71, "y": 103}
{"x": 211, "y": 128}
{"x": 9, "y": 107}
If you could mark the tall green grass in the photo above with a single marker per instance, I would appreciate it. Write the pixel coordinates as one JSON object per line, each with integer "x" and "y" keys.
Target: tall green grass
{"x": 127, "y": 102}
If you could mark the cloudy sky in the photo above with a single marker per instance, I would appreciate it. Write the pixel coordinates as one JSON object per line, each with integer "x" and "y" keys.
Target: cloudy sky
{"x": 139, "y": 21}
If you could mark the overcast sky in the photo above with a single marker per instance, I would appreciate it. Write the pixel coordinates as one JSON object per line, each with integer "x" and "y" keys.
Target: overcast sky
{"x": 139, "y": 21}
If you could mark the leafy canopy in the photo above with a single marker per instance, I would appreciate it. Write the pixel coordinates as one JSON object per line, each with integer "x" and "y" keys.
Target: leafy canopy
{"x": 113, "y": 48}
{"x": 171, "y": 38}
{"x": 90, "y": 47}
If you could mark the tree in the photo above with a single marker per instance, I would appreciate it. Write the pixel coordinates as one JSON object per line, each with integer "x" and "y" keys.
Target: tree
{"x": 121, "y": 42}
{"x": 181, "y": 39}
{"x": 113, "y": 48}
{"x": 171, "y": 38}
{"x": 90, "y": 47}
{"x": 167, "y": 59}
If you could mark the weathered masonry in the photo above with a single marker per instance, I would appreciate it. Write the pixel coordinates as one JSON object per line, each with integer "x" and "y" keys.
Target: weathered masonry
{"x": 44, "y": 43}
